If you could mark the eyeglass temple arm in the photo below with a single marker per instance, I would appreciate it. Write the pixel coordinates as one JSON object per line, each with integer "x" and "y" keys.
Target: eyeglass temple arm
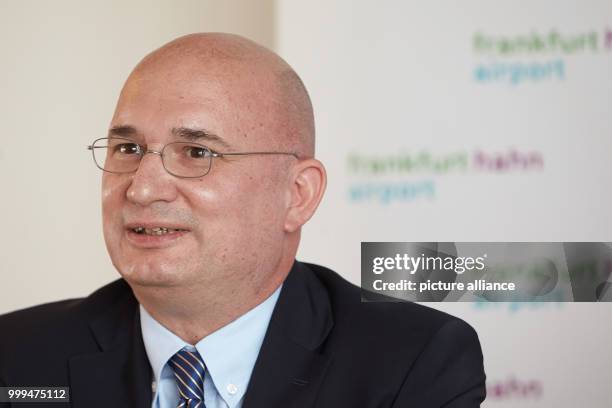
{"x": 217, "y": 154}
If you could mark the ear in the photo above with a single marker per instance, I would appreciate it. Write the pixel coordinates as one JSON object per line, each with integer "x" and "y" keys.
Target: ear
{"x": 308, "y": 183}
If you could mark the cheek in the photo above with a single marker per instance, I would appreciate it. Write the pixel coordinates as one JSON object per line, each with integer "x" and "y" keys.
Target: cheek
{"x": 207, "y": 196}
{"x": 247, "y": 207}
{"x": 113, "y": 193}
{"x": 225, "y": 206}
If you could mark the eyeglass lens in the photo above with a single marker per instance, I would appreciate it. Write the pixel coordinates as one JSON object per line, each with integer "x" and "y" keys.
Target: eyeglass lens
{"x": 182, "y": 159}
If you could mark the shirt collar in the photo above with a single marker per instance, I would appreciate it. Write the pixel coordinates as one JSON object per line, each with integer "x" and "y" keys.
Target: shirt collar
{"x": 228, "y": 353}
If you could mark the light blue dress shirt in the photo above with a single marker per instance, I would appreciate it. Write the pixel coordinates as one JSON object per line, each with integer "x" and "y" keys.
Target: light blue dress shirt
{"x": 228, "y": 353}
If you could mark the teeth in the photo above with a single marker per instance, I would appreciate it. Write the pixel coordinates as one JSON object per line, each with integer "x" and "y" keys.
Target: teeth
{"x": 154, "y": 231}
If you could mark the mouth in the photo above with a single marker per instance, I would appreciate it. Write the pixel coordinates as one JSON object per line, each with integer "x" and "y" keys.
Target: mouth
{"x": 153, "y": 235}
{"x": 156, "y": 230}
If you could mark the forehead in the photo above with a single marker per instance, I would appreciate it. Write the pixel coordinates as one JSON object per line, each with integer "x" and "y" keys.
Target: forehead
{"x": 223, "y": 104}
{"x": 144, "y": 100}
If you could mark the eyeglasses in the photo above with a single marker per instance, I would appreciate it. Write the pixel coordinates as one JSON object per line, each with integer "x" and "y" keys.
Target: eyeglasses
{"x": 181, "y": 159}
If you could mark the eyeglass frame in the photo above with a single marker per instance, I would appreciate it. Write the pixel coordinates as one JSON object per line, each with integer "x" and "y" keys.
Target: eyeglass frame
{"x": 144, "y": 150}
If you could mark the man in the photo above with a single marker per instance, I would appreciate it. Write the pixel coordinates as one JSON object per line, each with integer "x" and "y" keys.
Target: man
{"x": 209, "y": 175}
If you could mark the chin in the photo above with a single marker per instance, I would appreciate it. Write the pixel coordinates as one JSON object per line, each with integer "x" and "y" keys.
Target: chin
{"x": 147, "y": 275}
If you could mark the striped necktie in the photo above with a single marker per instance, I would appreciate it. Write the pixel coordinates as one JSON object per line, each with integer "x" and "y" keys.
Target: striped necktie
{"x": 189, "y": 374}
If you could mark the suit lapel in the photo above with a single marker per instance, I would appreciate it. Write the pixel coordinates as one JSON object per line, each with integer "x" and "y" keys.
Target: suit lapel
{"x": 119, "y": 375}
{"x": 288, "y": 372}
{"x": 290, "y": 366}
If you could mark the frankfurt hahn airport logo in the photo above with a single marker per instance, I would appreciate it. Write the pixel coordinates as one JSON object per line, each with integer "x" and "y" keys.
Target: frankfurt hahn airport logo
{"x": 533, "y": 57}
{"x": 412, "y": 176}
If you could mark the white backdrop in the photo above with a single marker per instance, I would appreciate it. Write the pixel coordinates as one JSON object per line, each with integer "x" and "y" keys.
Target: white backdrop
{"x": 63, "y": 64}
{"x": 469, "y": 121}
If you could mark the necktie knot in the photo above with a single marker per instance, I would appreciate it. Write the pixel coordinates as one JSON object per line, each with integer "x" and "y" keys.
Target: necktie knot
{"x": 189, "y": 371}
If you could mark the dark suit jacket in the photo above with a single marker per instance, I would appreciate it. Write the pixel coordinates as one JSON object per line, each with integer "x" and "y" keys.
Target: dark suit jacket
{"x": 323, "y": 348}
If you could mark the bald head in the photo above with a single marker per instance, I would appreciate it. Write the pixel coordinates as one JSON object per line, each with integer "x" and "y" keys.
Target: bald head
{"x": 237, "y": 224}
{"x": 265, "y": 95}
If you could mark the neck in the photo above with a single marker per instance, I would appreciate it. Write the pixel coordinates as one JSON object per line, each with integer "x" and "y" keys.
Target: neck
{"x": 195, "y": 311}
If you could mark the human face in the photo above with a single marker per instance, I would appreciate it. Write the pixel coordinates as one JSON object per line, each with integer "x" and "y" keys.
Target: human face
{"x": 226, "y": 226}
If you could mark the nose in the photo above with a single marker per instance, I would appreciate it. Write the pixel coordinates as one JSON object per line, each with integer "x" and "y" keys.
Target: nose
{"x": 151, "y": 182}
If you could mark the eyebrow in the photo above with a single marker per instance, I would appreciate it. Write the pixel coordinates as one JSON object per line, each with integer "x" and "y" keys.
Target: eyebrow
{"x": 193, "y": 135}
{"x": 123, "y": 130}
{"x": 199, "y": 135}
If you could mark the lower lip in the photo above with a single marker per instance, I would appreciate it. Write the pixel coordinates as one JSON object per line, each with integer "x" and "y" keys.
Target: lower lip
{"x": 154, "y": 241}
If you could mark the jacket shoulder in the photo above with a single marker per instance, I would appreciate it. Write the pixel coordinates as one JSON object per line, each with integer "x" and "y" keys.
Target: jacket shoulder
{"x": 421, "y": 356}
{"x": 53, "y": 322}
{"x": 392, "y": 322}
